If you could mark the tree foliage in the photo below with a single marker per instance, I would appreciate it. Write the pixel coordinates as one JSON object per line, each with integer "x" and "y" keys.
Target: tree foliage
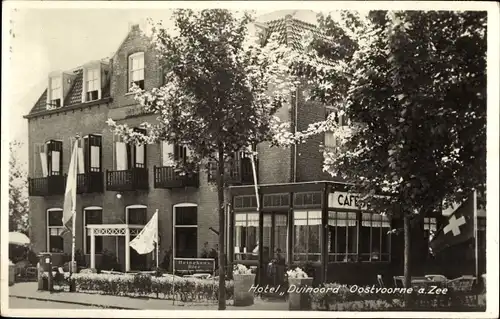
{"x": 414, "y": 89}
{"x": 18, "y": 186}
{"x": 223, "y": 87}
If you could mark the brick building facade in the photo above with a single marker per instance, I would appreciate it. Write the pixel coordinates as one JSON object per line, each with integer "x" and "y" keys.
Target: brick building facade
{"x": 125, "y": 184}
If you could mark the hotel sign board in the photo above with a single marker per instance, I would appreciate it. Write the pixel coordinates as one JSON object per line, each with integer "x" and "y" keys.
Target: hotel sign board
{"x": 195, "y": 265}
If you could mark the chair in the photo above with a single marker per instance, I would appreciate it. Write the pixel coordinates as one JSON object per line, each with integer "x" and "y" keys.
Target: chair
{"x": 400, "y": 280}
{"x": 380, "y": 281}
{"x": 462, "y": 284}
{"x": 438, "y": 278}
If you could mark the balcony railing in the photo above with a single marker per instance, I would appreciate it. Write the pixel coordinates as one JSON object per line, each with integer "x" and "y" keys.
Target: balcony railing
{"x": 169, "y": 177}
{"x": 90, "y": 182}
{"x": 127, "y": 180}
{"x": 238, "y": 172}
{"x": 47, "y": 186}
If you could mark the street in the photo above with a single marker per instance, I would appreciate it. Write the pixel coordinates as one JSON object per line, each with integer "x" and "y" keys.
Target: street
{"x": 20, "y": 303}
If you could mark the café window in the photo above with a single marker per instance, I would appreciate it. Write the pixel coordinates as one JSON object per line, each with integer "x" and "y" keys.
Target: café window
{"x": 246, "y": 236}
{"x": 186, "y": 230}
{"x": 307, "y": 232}
{"x": 55, "y": 229}
{"x": 375, "y": 238}
{"x": 342, "y": 237}
{"x": 92, "y": 216}
{"x": 430, "y": 226}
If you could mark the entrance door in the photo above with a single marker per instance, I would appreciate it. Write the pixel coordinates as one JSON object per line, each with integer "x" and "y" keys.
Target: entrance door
{"x": 137, "y": 216}
{"x": 275, "y": 256}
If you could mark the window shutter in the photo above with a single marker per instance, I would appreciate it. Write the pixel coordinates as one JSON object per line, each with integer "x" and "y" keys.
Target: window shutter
{"x": 95, "y": 145}
{"x": 139, "y": 159}
{"x": 79, "y": 155}
{"x": 121, "y": 156}
{"x": 41, "y": 149}
{"x": 54, "y": 149}
{"x": 167, "y": 151}
{"x": 188, "y": 152}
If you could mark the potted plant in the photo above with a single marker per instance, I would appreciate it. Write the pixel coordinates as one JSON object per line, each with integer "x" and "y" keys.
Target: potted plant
{"x": 298, "y": 296}
{"x": 244, "y": 279}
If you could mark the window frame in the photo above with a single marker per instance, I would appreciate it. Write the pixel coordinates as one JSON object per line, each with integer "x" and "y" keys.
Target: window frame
{"x": 307, "y": 246}
{"x": 55, "y": 93}
{"x": 388, "y": 254}
{"x": 136, "y": 206}
{"x": 85, "y": 234}
{"x": 87, "y": 144}
{"x": 242, "y": 255}
{"x": 52, "y": 146}
{"x": 96, "y": 83}
{"x": 48, "y": 228}
{"x": 175, "y": 226}
{"x": 141, "y": 56}
{"x": 348, "y": 254}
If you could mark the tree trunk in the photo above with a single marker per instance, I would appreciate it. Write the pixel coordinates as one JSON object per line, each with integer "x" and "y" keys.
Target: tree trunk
{"x": 222, "y": 226}
{"x": 407, "y": 261}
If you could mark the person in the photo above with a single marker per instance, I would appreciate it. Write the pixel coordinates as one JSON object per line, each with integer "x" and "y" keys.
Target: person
{"x": 205, "y": 252}
{"x": 165, "y": 264}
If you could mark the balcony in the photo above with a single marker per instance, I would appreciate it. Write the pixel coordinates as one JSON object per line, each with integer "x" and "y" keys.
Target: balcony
{"x": 238, "y": 172}
{"x": 169, "y": 177}
{"x": 91, "y": 182}
{"x": 47, "y": 186}
{"x": 127, "y": 180}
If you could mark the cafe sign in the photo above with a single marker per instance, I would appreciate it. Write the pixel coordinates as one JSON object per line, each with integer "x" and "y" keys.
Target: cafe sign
{"x": 344, "y": 200}
{"x": 194, "y": 265}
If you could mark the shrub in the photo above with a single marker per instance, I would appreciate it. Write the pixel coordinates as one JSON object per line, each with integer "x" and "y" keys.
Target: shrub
{"x": 170, "y": 287}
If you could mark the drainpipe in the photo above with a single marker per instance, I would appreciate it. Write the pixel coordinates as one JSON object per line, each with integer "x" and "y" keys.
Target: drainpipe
{"x": 295, "y": 131}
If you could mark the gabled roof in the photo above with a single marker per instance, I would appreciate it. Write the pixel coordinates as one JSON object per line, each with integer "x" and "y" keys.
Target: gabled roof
{"x": 290, "y": 30}
{"x": 74, "y": 96}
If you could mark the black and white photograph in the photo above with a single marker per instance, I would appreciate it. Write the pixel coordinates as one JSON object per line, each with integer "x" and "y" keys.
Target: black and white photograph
{"x": 254, "y": 158}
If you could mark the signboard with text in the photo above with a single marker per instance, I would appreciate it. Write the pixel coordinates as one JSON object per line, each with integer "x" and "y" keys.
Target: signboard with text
{"x": 344, "y": 200}
{"x": 194, "y": 265}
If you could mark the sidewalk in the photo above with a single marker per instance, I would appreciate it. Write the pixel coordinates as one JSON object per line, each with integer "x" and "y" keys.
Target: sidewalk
{"x": 28, "y": 290}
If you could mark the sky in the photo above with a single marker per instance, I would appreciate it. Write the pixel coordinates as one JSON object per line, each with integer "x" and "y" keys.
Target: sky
{"x": 48, "y": 39}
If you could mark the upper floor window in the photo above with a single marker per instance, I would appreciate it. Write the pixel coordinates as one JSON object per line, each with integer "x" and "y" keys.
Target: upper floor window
{"x": 128, "y": 156}
{"x": 136, "y": 69}
{"x": 55, "y": 100}
{"x": 92, "y": 84}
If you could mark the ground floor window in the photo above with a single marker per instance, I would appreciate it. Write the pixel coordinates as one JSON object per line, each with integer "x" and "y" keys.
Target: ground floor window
{"x": 342, "y": 237}
{"x": 307, "y": 234}
{"x": 375, "y": 237}
{"x": 246, "y": 236}
{"x": 186, "y": 231}
{"x": 92, "y": 216}
{"x": 55, "y": 229}
{"x": 137, "y": 215}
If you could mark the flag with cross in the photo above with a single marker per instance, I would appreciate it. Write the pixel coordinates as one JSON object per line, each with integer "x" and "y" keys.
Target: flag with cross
{"x": 459, "y": 227}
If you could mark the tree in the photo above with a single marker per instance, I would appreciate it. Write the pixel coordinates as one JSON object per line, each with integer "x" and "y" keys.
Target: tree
{"x": 18, "y": 201}
{"x": 222, "y": 88}
{"x": 414, "y": 90}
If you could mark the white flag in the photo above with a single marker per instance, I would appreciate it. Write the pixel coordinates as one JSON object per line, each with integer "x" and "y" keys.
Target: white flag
{"x": 70, "y": 193}
{"x": 144, "y": 243}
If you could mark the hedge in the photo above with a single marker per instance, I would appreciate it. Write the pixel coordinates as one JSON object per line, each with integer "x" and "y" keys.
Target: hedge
{"x": 343, "y": 299}
{"x": 185, "y": 289}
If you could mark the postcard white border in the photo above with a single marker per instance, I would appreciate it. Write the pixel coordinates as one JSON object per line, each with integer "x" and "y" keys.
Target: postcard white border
{"x": 492, "y": 145}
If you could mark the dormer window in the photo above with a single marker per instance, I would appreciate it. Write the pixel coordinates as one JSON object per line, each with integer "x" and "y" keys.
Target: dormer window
{"x": 92, "y": 85}
{"x": 55, "y": 93}
{"x": 136, "y": 69}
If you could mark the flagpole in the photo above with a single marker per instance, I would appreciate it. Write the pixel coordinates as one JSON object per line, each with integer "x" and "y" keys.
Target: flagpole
{"x": 157, "y": 241}
{"x": 73, "y": 218}
{"x": 474, "y": 194}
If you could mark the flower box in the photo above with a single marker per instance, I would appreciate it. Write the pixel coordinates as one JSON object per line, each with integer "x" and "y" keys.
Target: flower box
{"x": 244, "y": 279}
{"x": 299, "y": 297}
